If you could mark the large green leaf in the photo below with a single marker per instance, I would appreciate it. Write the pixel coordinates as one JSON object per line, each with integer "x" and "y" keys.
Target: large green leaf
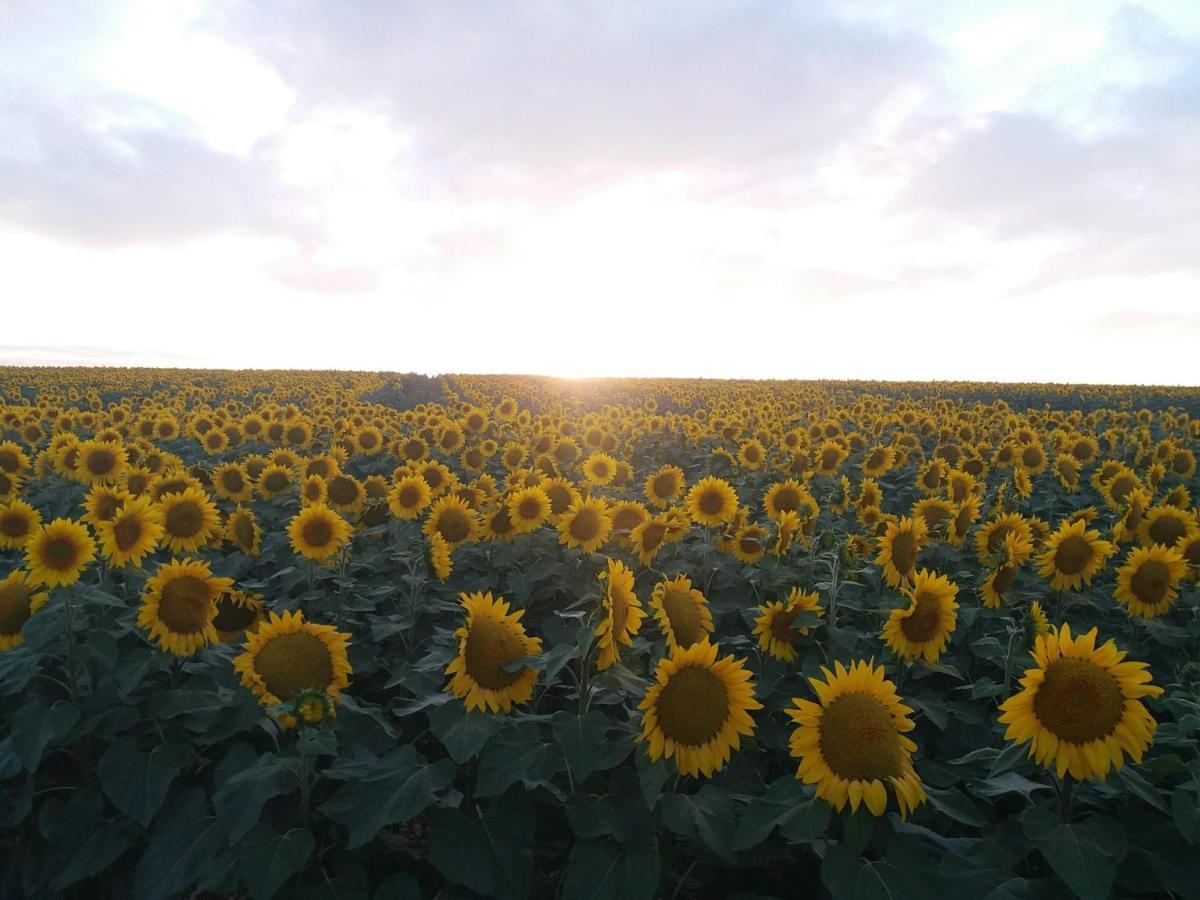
{"x": 582, "y": 741}
{"x": 36, "y": 727}
{"x": 784, "y": 801}
{"x": 849, "y": 877}
{"x": 710, "y": 814}
{"x": 1085, "y": 856}
{"x": 137, "y": 782}
{"x": 270, "y": 859}
{"x": 240, "y": 799}
{"x": 518, "y": 753}
{"x": 399, "y": 788}
{"x": 602, "y": 870}
{"x": 183, "y": 843}
{"x": 1185, "y": 810}
{"x": 487, "y": 850}
{"x": 463, "y": 734}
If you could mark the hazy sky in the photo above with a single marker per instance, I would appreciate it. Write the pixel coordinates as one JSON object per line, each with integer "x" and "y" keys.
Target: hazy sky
{"x": 1005, "y": 190}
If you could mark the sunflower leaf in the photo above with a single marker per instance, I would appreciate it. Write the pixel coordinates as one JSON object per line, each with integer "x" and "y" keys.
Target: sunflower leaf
{"x": 1085, "y": 856}
{"x": 602, "y": 870}
{"x": 269, "y": 859}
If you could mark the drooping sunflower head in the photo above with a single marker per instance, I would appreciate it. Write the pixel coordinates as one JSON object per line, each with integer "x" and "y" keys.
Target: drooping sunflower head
{"x": 441, "y": 560}
{"x": 1080, "y": 707}
{"x": 775, "y": 627}
{"x": 490, "y": 640}
{"x": 923, "y": 628}
{"x": 901, "y": 542}
{"x": 621, "y": 613}
{"x": 56, "y": 554}
{"x": 18, "y": 522}
{"x": 1148, "y": 581}
{"x": 287, "y": 655}
{"x": 19, "y": 599}
{"x": 681, "y": 612}
{"x": 317, "y": 532}
{"x": 179, "y": 604}
{"x": 586, "y": 524}
{"x": 852, "y": 742}
{"x": 697, "y": 709}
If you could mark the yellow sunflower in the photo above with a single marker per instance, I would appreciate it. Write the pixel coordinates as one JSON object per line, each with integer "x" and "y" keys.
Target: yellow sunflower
{"x": 317, "y": 532}
{"x": 274, "y": 480}
{"x": 1074, "y": 555}
{"x": 663, "y": 486}
{"x": 649, "y": 537}
{"x": 313, "y": 489}
{"x": 1165, "y": 525}
{"x": 681, "y": 612}
{"x": 440, "y": 558}
{"x": 237, "y": 613}
{"x": 599, "y": 469}
{"x": 561, "y": 493}
{"x": 626, "y": 516}
{"x": 18, "y": 522}
{"x": 898, "y": 550}
{"x": 497, "y": 524}
{"x": 621, "y": 613}
{"x": 409, "y": 496}
{"x": 586, "y": 524}
{"x": 852, "y": 743}
{"x": 132, "y": 533}
{"x": 789, "y": 496}
{"x": 19, "y": 599}
{"x": 491, "y": 639}
{"x": 453, "y": 520}
{"x": 787, "y": 526}
{"x": 749, "y": 543}
{"x": 1147, "y": 583}
{"x": 989, "y": 540}
{"x": 752, "y": 454}
{"x": 878, "y": 460}
{"x": 1080, "y": 708}
{"x": 528, "y": 508}
{"x": 56, "y": 554}
{"x": 1038, "y": 623}
{"x": 243, "y": 530}
{"x": 698, "y": 709}
{"x": 345, "y": 493}
{"x": 711, "y": 501}
{"x": 231, "y": 482}
{"x": 773, "y": 626}
{"x": 828, "y": 458}
{"x": 286, "y": 656}
{"x": 923, "y": 628}
{"x": 190, "y": 519}
{"x": 100, "y": 462}
{"x": 178, "y": 606}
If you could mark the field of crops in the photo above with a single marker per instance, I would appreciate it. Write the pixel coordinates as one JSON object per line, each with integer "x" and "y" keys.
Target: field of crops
{"x": 349, "y": 635}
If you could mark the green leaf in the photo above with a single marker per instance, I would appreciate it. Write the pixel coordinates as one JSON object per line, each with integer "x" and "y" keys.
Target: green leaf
{"x": 602, "y": 870}
{"x": 1185, "y": 810}
{"x": 488, "y": 851}
{"x": 137, "y": 782}
{"x": 708, "y": 814}
{"x": 582, "y": 741}
{"x": 957, "y": 806}
{"x": 101, "y": 845}
{"x": 401, "y": 788}
{"x": 239, "y": 801}
{"x": 269, "y": 859}
{"x": 1135, "y": 782}
{"x": 1010, "y": 757}
{"x": 36, "y": 726}
{"x": 652, "y": 776}
{"x": 183, "y": 843}
{"x": 518, "y": 753}
{"x": 463, "y": 734}
{"x": 784, "y": 799}
{"x": 1085, "y": 856}
{"x": 1010, "y": 783}
{"x": 848, "y": 877}
{"x": 810, "y": 822}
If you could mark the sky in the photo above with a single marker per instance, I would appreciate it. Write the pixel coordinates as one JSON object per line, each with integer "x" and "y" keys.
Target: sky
{"x": 934, "y": 189}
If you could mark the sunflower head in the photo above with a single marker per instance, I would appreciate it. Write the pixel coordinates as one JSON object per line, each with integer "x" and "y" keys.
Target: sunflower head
{"x": 489, "y": 641}
{"x": 179, "y": 604}
{"x": 317, "y": 532}
{"x": 19, "y": 599}
{"x": 712, "y": 501}
{"x": 923, "y": 628}
{"x": 585, "y": 524}
{"x": 56, "y": 554}
{"x": 453, "y": 520}
{"x": 902, "y": 541}
{"x": 1148, "y": 581}
{"x": 286, "y": 656}
{"x": 621, "y": 613}
{"x": 18, "y": 522}
{"x": 681, "y": 612}
{"x": 775, "y": 628}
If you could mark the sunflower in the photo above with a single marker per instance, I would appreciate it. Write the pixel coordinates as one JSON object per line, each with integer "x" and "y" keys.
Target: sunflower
{"x": 178, "y": 606}
{"x": 1147, "y": 583}
{"x": 965, "y": 515}
{"x": 851, "y": 743}
{"x": 409, "y": 496}
{"x": 586, "y": 524}
{"x": 937, "y": 514}
{"x": 243, "y": 530}
{"x": 901, "y": 543}
{"x": 237, "y": 613}
{"x": 1038, "y": 623}
{"x": 752, "y": 454}
{"x": 599, "y": 469}
{"x": 286, "y": 656}
{"x": 749, "y": 543}
{"x": 698, "y": 709}
{"x": 102, "y": 502}
{"x": 231, "y": 482}
{"x": 13, "y": 459}
{"x": 681, "y": 612}
{"x": 132, "y": 533}
{"x": 989, "y": 540}
{"x": 663, "y": 486}
{"x": 100, "y": 462}
{"x": 490, "y": 640}
{"x": 56, "y": 554}
{"x": 317, "y": 532}
{"x": 923, "y": 628}
{"x": 621, "y": 613}
{"x": 1165, "y": 525}
{"x": 1189, "y": 548}
{"x": 274, "y": 480}
{"x": 453, "y": 520}
{"x": 712, "y": 501}
{"x": 1080, "y": 707}
{"x": 931, "y": 478}
{"x": 497, "y": 524}
{"x": 773, "y": 626}
{"x": 18, "y": 522}
{"x": 528, "y": 508}
{"x": 1074, "y": 556}
{"x": 788, "y": 496}
{"x": 189, "y": 518}
{"x": 626, "y": 516}
{"x": 649, "y": 537}
{"x": 10, "y": 483}
{"x": 440, "y": 557}
{"x": 19, "y": 599}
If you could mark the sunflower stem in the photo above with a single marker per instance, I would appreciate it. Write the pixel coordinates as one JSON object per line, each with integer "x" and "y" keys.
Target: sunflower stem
{"x": 72, "y": 689}
{"x": 1066, "y": 796}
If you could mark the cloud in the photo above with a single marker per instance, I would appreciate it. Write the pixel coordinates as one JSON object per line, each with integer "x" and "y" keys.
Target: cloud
{"x": 1140, "y": 324}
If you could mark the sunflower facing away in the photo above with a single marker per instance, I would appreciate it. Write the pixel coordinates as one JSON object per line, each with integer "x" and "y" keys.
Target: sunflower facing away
{"x": 923, "y": 628}
{"x": 1074, "y": 555}
{"x": 681, "y": 612}
{"x": 898, "y": 549}
{"x": 490, "y": 639}
{"x": 317, "y": 532}
{"x": 1080, "y": 707}
{"x": 132, "y": 534}
{"x": 178, "y": 606}
{"x": 286, "y": 655}
{"x": 773, "y": 627}
{"x": 585, "y": 524}
{"x": 440, "y": 559}
{"x": 621, "y": 613}
{"x": 19, "y": 599}
{"x": 851, "y": 743}
{"x": 711, "y": 501}
{"x": 56, "y": 554}
{"x": 1147, "y": 583}
{"x": 697, "y": 709}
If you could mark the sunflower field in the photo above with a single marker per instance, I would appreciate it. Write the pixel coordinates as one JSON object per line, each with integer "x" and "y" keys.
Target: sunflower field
{"x": 368, "y": 635}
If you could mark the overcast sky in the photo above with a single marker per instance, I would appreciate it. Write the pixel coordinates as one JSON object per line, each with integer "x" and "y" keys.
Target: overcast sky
{"x": 1005, "y": 190}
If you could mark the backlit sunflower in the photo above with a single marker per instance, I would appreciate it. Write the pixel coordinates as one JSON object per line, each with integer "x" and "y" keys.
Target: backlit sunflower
{"x": 898, "y": 550}
{"x": 681, "y": 612}
{"x": 132, "y": 533}
{"x": 237, "y": 612}
{"x": 528, "y": 508}
{"x": 178, "y": 606}
{"x": 1074, "y": 555}
{"x": 698, "y": 709}
{"x": 586, "y": 524}
{"x": 56, "y": 554}
{"x": 490, "y": 639}
{"x": 190, "y": 519}
{"x": 773, "y": 626}
{"x": 453, "y": 520}
{"x": 1080, "y": 708}
{"x": 18, "y": 522}
{"x": 923, "y": 628}
{"x": 711, "y": 501}
{"x": 1147, "y": 583}
{"x": 851, "y": 743}
{"x": 285, "y": 655}
{"x": 19, "y": 599}
{"x": 317, "y": 532}
{"x": 621, "y": 613}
